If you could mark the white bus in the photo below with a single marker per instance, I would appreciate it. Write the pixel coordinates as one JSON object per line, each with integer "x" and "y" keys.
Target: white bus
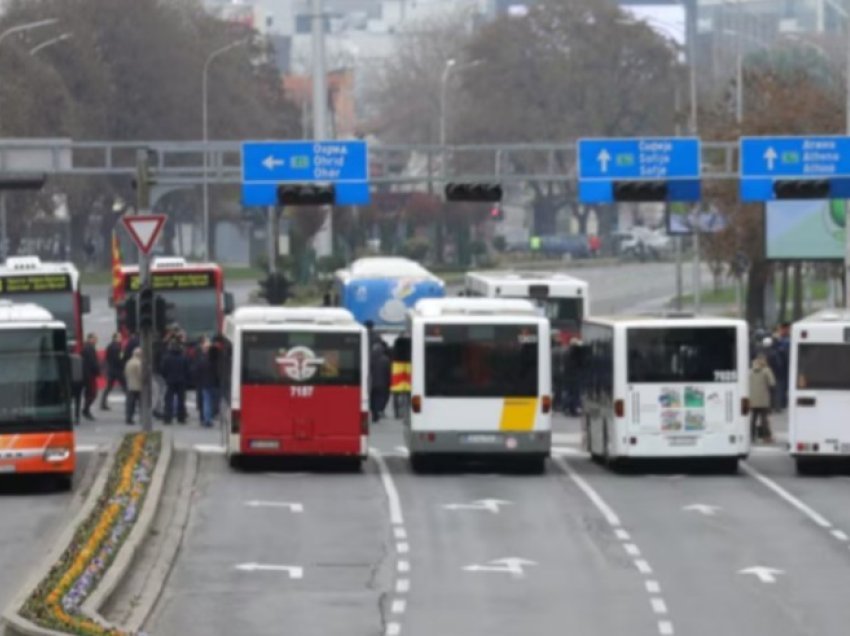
{"x": 665, "y": 387}
{"x": 481, "y": 381}
{"x": 564, "y": 299}
{"x": 295, "y": 383}
{"x": 819, "y": 411}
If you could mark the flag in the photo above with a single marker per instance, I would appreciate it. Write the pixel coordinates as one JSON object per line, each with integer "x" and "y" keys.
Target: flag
{"x": 117, "y": 291}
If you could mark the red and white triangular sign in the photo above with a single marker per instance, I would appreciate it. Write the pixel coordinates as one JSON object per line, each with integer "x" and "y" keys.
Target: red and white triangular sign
{"x": 144, "y": 229}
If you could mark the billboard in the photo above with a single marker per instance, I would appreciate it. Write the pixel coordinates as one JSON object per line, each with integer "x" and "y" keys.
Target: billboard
{"x": 805, "y": 230}
{"x": 682, "y": 219}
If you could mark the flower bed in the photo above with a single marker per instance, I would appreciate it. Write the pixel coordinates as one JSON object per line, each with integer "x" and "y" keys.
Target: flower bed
{"x": 56, "y": 602}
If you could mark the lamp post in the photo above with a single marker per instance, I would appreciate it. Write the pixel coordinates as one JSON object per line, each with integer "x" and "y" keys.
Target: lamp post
{"x": 28, "y": 26}
{"x": 451, "y": 65}
{"x": 40, "y": 47}
{"x": 205, "y": 124}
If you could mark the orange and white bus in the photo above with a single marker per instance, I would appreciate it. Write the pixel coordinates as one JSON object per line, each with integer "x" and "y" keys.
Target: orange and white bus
{"x": 36, "y": 430}
{"x": 295, "y": 383}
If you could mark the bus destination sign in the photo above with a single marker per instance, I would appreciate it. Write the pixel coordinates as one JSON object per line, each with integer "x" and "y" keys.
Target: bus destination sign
{"x": 174, "y": 281}
{"x": 35, "y": 284}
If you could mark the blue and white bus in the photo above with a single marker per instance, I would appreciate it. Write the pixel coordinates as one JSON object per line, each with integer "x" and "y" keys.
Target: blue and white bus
{"x": 382, "y": 289}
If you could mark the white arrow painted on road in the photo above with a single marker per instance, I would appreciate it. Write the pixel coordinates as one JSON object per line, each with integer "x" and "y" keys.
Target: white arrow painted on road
{"x": 770, "y": 156}
{"x": 271, "y": 162}
{"x": 764, "y": 574}
{"x": 491, "y": 505}
{"x": 509, "y": 565}
{"x": 293, "y": 506}
{"x": 294, "y": 571}
{"x": 705, "y": 509}
{"x": 604, "y": 158}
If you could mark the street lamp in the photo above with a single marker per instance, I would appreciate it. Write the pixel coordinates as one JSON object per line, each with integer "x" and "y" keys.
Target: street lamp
{"x": 40, "y": 47}
{"x": 26, "y": 27}
{"x": 205, "y": 124}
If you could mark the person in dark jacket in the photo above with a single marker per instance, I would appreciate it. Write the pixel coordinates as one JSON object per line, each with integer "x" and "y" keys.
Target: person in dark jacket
{"x": 91, "y": 372}
{"x": 206, "y": 381}
{"x": 77, "y": 384}
{"x": 176, "y": 373}
{"x": 129, "y": 348}
{"x": 379, "y": 380}
{"x": 114, "y": 370}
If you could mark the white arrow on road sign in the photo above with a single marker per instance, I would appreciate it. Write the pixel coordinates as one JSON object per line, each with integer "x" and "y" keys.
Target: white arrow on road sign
{"x": 770, "y": 156}
{"x": 705, "y": 509}
{"x": 509, "y": 565}
{"x": 604, "y": 158}
{"x": 764, "y": 574}
{"x": 292, "y": 506}
{"x": 294, "y": 571}
{"x": 491, "y": 505}
{"x": 271, "y": 162}
{"x": 144, "y": 229}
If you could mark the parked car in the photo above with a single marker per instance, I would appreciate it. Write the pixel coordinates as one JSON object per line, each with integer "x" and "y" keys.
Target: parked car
{"x": 642, "y": 243}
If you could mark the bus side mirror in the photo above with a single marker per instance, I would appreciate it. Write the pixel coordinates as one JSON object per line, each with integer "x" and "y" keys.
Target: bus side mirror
{"x": 229, "y": 303}
{"x": 85, "y": 304}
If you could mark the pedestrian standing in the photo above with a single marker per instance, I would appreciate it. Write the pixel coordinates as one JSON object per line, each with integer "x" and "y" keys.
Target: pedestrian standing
{"x": 400, "y": 374}
{"x": 160, "y": 346}
{"x": 91, "y": 372}
{"x": 207, "y": 384}
{"x": 114, "y": 370}
{"x": 77, "y": 384}
{"x": 129, "y": 348}
{"x": 762, "y": 382}
{"x": 176, "y": 373}
{"x": 379, "y": 380}
{"x": 133, "y": 378}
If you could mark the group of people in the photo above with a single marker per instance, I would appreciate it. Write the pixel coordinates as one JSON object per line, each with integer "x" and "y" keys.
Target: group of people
{"x": 769, "y": 379}
{"x": 389, "y": 373}
{"x": 175, "y": 371}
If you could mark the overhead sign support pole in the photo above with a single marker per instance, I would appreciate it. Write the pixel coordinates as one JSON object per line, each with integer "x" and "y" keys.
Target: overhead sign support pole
{"x": 143, "y": 202}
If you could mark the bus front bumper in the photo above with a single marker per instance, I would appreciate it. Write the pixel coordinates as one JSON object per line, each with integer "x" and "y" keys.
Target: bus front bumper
{"x": 480, "y": 442}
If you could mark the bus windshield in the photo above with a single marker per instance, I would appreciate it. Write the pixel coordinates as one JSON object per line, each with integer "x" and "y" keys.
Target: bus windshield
{"x": 823, "y": 366}
{"x": 682, "y": 354}
{"x": 301, "y": 358}
{"x": 34, "y": 374}
{"x": 60, "y": 304}
{"x": 563, "y": 312}
{"x": 195, "y": 310}
{"x": 481, "y": 360}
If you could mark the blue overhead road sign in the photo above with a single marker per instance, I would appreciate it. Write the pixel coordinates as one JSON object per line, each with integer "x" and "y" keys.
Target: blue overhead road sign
{"x": 602, "y": 162}
{"x": 267, "y": 164}
{"x": 765, "y": 160}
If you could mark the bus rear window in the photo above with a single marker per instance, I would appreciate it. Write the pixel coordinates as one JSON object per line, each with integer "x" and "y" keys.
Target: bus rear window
{"x": 823, "y": 366}
{"x": 481, "y": 361}
{"x": 682, "y": 354}
{"x": 301, "y": 358}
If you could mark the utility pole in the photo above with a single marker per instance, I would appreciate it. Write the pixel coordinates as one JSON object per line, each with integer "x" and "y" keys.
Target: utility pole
{"x": 691, "y": 52}
{"x": 146, "y": 332}
{"x": 324, "y": 239}
{"x": 846, "y": 213}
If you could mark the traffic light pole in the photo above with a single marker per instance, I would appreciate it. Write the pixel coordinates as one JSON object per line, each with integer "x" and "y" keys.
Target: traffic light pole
{"x": 143, "y": 202}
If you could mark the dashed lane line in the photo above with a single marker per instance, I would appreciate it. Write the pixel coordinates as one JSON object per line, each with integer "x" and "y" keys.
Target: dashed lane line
{"x": 653, "y": 588}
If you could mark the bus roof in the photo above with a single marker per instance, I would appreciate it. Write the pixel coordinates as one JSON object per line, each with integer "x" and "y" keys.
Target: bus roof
{"x": 826, "y": 317}
{"x": 262, "y": 315}
{"x": 384, "y": 267}
{"x": 668, "y": 320}
{"x": 437, "y": 307}
{"x": 33, "y": 265}
{"x": 26, "y": 314}
{"x": 511, "y": 283}
{"x": 170, "y": 263}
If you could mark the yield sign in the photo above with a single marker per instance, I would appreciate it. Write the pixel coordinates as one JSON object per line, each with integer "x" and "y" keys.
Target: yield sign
{"x": 144, "y": 229}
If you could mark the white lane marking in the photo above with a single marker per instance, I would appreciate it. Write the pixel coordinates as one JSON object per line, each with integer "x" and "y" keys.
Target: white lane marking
{"x": 763, "y": 573}
{"x": 491, "y": 505}
{"x": 567, "y": 439}
{"x": 403, "y": 547}
{"x": 403, "y": 566}
{"x": 396, "y": 517}
{"x": 840, "y": 535}
{"x": 703, "y": 509}
{"x": 665, "y": 628}
{"x": 399, "y": 606}
{"x": 631, "y": 549}
{"x": 569, "y": 450}
{"x": 399, "y": 532}
{"x": 402, "y": 586}
{"x": 292, "y": 506}
{"x": 509, "y": 565}
{"x": 294, "y": 571}
{"x": 606, "y": 510}
{"x": 653, "y": 587}
{"x": 210, "y": 449}
{"x": 658, "y": 605}
{"x": 86, "y": 448}
{"x": 393, "y": 629}
{"x": 643, "y": 566}
{"x": 787, "y": 496}
{"x": 404, "y": 451}
{"x": 622, "y": 535}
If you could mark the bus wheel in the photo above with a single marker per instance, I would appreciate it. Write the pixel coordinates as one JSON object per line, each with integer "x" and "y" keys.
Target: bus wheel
{"x": 418, "y": 463}
{"x": 728, "y": 465}
{"x": 235, "y": 461}
{"x": 805, "y": 466}
{"x": 596, "y": 457}
{"x": 64, "y": 482}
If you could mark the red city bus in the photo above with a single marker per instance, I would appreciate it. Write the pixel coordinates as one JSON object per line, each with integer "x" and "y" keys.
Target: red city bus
{"x": 53, "y": 286}
{"x": 36, "y": 430}
{"x": 295, "y": 384}
{"x": 195, "y": 292}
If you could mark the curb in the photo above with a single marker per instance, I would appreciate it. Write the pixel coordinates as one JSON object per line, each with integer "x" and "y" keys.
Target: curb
{"x": 16, "y": 625}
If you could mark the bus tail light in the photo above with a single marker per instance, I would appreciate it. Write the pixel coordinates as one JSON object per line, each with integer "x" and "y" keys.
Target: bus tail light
{"x": 745, "y": 406}
{"x": 56, "y": 454}
{"x": 416, "y": 403}
{"x": 235, "y": 422}
{"x": 804, "y": 447}
{"x": 546, "y": 403}
{"x": 620, "y": 408}
{"x": 364, "y": 423}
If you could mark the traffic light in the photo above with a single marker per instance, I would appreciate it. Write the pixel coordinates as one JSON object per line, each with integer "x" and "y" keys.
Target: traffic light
{"x": 146, "y": 308}
{"x": 802, "y": 189}
{"x": 640, "y": 191}
{"x": 163, "y": 313}
{"x": 22, "y": 181}
{"x": 301, "y": 194}
{"x": 474, "y": 192}
{"x": 496, "y": 213}
{"x": 275, "y": 288}
{"x": 128, "y": 308}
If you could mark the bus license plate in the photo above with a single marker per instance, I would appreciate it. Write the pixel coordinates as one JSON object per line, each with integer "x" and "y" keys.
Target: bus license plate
{"x": 7, "y": 468}
{"x": 480, "y": 439}
{"x": 682, "y": 441}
